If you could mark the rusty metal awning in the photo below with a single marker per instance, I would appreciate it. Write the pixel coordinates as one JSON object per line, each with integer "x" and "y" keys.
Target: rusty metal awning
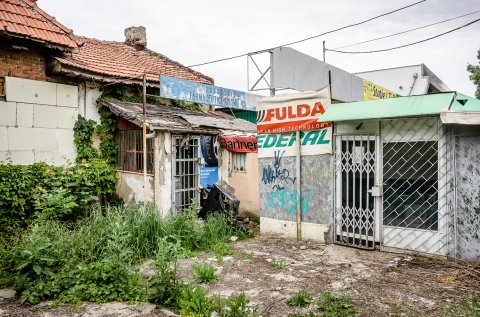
{"x": 161, "y": 117}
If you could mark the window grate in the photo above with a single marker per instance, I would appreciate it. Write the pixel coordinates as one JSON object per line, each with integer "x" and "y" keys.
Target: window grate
{"x": 130, "y": 151}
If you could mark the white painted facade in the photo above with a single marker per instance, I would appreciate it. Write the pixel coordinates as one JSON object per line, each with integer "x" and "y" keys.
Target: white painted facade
{"x": 406, "y": 81}
{"x": 36, "y": 122}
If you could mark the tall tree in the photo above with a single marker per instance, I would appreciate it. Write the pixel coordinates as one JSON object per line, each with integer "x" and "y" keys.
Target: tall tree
{"x": 474, "y": 71}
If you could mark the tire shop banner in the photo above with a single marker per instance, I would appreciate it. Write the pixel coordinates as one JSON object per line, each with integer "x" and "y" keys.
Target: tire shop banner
{"x": 239, "y": 144}
{"x": 279, "y": 117}
{"x": 293, "y": 112}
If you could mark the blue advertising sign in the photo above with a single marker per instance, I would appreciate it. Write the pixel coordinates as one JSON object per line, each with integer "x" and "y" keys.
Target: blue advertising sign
{"x": 209, "y": 154}
{"x": 180, "y": 89}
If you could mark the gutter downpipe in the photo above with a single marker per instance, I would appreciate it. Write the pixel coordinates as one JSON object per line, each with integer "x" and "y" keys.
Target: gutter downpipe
{"x": 144, "y": 138}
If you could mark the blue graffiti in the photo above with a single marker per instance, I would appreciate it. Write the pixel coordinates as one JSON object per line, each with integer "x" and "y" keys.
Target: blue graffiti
{"x": 286, "y": 199}
{"x": 276, "y": 175}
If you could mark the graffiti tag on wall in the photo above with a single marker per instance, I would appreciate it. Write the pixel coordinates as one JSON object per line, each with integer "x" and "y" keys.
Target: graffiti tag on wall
{"x": 277, "y": 176}
{"x": 286, "y": 199}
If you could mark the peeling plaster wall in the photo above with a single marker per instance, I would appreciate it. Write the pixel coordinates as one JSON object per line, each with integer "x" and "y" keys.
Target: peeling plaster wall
{"x": 163, "y": 172}
{"x": 244, "y": 185}
{"x": 130, "y": 187}
{"x": 36, "y": 122}
{"x": 278, "y": 198}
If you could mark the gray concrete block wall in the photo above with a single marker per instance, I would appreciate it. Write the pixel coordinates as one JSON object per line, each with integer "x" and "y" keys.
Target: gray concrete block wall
{"x": 278, "y": 194}
{"x": 36, "y": 122}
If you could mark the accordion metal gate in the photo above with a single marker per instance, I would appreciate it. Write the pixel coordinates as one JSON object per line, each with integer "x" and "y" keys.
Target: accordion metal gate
{"x": 357, "y": 191}
{"x": 186, "y": 171}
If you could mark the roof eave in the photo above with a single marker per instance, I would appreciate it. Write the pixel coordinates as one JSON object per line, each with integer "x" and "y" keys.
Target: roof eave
{"x": 50, "y": 45}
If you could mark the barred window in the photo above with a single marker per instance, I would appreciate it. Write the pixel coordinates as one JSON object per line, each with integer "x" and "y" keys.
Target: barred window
{"x": 239, "y": 162}
{"x": 130, "y": 151}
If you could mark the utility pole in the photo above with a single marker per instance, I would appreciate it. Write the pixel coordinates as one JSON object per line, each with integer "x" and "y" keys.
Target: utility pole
{"x": 324, "y": 51}
{"x": 144, "y": 93}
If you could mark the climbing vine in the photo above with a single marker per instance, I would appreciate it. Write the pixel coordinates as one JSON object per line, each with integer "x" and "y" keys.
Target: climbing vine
{"x": 106, "y": 133}
{"x": 82, "y": 137}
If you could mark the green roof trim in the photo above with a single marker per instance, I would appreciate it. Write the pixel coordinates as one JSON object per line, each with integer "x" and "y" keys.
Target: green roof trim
{"x": 465, "y": 103}
{"x": 411, "y": 106}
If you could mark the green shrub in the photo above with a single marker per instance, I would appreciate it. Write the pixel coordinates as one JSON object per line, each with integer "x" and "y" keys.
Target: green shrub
{"x": 166, "y": 286}
{"x": 205, "y": 273}
{"x": 195, "y": 303}
{"x": 300, "y": 299}
{"x": 237, "y": 306}
{"x": 333, "y": 306}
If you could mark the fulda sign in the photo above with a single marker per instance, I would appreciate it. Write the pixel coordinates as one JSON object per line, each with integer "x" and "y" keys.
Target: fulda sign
{"x": 295, "y": 112}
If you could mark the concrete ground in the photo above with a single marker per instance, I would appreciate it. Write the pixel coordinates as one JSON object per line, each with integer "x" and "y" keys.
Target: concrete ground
{"x": 378, "y": 283}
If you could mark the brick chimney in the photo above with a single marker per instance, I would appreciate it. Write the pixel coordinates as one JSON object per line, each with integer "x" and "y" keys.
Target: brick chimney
{"x": 136, "y": 36}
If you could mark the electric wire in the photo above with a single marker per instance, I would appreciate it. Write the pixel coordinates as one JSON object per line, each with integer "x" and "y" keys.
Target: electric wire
{"x": 407, "y": 31}
{"x": 405, "y": 45}
{"x": 310, "y": 37}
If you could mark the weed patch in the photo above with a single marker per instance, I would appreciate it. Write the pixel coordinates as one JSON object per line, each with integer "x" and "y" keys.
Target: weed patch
{"x": 205, "y": 273}
{"x": 300, "y": 299}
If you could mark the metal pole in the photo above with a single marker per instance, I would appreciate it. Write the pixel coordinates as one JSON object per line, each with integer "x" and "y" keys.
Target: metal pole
{"x": 145, "y": 137}
{"x": 298, "y": 216}
{"x": 323, "y": 51}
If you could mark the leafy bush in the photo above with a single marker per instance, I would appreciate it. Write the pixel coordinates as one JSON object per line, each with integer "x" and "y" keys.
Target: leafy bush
{"x": 205, "y": 273}
{"x": 195, "y": 303}
{"x": 62, "y": 193}
{"x": 237, "y": 306}
{"x": 300, "y": 299}
{"x": 333, "y": 306}
{"x": 166, "y": 285}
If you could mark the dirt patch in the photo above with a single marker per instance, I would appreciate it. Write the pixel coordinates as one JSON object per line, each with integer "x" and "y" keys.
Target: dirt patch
{"x": 270, "y": 269}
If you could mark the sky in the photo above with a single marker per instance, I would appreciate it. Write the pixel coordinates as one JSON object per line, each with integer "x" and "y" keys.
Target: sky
{"x": 192, "y": 32}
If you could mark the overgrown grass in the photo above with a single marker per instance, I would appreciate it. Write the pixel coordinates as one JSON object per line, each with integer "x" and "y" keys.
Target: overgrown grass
{"x": 95, "y": 259}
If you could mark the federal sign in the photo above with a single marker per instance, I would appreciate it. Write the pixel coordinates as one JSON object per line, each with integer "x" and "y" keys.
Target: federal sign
{"x": 186, "y": 90}
{"x": 311, "y": 143}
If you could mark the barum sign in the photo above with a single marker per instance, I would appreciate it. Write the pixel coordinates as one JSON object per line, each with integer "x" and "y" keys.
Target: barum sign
{"x": 294, "y": 112}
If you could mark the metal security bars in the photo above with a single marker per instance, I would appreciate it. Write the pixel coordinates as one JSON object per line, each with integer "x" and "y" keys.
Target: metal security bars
{"x": 130, "y": 151}
{"x": 467, "y": 198}
{"x": 186, "y": 171}
{"x": 355, "y": 170}
{"x": 416, "y": 185}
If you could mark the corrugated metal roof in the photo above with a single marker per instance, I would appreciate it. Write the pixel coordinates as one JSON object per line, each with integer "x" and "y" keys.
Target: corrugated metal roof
{"x": 160, "y": 117}
{"x": 412, "y": 106}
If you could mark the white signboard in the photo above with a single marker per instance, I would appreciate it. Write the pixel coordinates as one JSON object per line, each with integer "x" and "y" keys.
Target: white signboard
{"x": 279, "y": 117}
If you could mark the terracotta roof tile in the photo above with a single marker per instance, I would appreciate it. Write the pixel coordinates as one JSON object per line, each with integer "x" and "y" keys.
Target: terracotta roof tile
{"x": 117, "y": 59}
{"x": 25, "y": 18}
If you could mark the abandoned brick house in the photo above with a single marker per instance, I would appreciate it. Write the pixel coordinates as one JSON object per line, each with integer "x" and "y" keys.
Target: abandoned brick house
{"x": 49, "y": 76}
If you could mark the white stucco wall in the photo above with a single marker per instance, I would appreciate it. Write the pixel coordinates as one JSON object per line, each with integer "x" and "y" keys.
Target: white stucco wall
{"x": 36, "y": 122}
{"x": 87, "y": 101}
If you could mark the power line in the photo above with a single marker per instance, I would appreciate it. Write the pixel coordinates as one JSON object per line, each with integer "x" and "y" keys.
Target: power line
{"x": 311, "y": 37}
{"x": 407, "y": 31}
{"x": 401, "y": 46}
